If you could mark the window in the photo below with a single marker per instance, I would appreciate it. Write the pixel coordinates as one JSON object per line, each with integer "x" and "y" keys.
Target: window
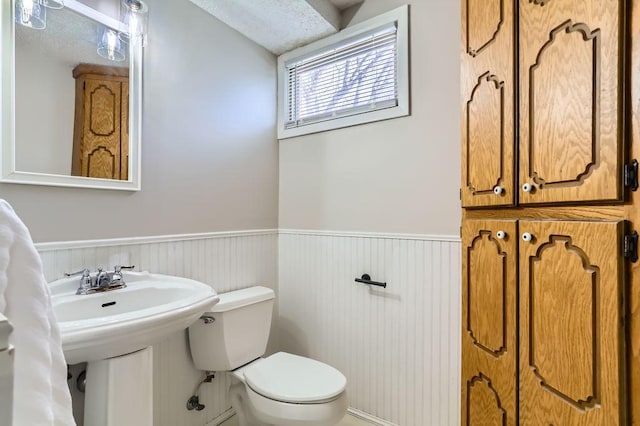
{"x": 356, "y": 76}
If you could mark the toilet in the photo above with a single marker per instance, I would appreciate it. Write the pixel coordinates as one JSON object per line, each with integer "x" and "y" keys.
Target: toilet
{"x": 280, "y": 390}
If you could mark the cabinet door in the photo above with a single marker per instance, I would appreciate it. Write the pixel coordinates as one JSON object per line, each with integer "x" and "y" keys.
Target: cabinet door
{"x": 101, "y": 150}
{"x": 489, "y": 352}
{"x": 487, "y": 83}
{"x": 570, "y": 100}
{"x": 571, "y": 333}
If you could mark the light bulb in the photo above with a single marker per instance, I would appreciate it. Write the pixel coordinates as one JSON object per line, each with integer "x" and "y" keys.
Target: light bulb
{"x": 30, "y": 13}
{"x": 135, "y": 14}
{"x": 110, "y": 46}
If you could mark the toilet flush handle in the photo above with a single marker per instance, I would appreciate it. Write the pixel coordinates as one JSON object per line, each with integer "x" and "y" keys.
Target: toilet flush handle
{"x": 208, "y": 319}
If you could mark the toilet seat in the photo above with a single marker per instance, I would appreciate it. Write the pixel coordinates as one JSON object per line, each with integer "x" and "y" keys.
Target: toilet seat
{"x": 294, "y": 379}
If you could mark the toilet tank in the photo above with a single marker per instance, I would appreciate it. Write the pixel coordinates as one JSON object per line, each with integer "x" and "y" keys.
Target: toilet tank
{"x": 239, "y": 332}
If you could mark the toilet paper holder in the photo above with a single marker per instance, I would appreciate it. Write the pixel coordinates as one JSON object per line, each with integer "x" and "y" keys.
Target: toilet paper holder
{"x": 366, "y": 279}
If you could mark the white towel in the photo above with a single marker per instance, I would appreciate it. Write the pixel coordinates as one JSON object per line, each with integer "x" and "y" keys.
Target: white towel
{"x": 41, "y": 396}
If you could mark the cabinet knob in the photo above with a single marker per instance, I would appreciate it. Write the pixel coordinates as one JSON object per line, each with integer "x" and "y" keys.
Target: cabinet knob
{"x": 527, "y": 187}
{"x": 501, "y": 235}
{"x": 498, "y": 190}
{"x": 527, "y": 237}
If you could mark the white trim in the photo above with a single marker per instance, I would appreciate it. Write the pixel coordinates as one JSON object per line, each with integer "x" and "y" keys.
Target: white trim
{"x": 93, "y": 14}
{"x": 67, "y": 245}
{"x": 221, "y": 418}
{"x": 369, "y": 418}
{"x": 110, "y": 242}
{"x": 399, "y": 15}
{"x": 355, "y": 234}
{"x": 350, "y": 411}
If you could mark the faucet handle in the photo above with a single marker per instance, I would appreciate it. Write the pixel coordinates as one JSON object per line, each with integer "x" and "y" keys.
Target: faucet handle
{"x": 85, "y": 281}
{"x": 84, "y": 272}
{"x": 119, "y": 268}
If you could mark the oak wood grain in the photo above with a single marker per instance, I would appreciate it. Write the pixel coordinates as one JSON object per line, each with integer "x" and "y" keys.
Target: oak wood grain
{"x": 570, "y": 79}
{"x": 551, "y": 212}
{"x": 571, "y": 334}
{"x": 487, "y": 98}
{"x": 101, "y": 128}
{"x": 633, "y": 214}
{"x": 489, "y": 350}
{"x": 99, "y": 70}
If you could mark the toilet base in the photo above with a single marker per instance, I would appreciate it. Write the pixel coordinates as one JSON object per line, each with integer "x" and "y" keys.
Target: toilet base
{"x": 241, "y": 404}
{"x": 275, "y": 413}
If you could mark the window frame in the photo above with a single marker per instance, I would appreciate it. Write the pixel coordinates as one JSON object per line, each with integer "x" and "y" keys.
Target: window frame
{"x": 399, "y": 16}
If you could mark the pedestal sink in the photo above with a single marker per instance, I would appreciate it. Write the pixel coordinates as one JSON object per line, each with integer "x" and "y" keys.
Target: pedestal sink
{"x": 113, "y": 331}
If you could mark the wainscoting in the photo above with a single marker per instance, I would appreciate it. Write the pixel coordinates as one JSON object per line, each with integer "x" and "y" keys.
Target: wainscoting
{"x": 226, "y": 261}
{"x": 399, "y": 347}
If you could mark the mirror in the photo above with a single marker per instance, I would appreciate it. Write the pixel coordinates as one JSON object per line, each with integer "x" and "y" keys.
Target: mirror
{"x": 70, "y": 116}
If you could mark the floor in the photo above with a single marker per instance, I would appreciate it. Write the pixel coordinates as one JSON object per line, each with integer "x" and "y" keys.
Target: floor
{"x": 347, "y": 421}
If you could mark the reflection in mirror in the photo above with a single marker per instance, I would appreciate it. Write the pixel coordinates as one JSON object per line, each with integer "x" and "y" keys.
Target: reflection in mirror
{"x": 71, "y": 94}
{"x": 71, "y": 104}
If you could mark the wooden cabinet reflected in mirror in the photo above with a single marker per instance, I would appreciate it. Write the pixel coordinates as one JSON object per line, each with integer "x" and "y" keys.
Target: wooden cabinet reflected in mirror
{"x": 100, "y": 134}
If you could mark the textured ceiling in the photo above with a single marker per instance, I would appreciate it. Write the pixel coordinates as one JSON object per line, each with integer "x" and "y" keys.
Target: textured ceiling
{"x": 68, "y": 37}
{"x": 278, "y": 25}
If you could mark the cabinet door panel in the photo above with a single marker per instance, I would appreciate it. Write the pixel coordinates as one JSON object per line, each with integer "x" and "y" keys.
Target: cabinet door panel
{"x": 571, "y": 334}
{"x": 489, "y": 363}
{"x": 101, "y": 149}
{"x": 570, "y": 100}
{"x": 487, "y": 102}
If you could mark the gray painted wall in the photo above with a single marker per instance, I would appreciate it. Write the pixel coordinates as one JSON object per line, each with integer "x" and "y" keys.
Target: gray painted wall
{"x": 44, "y": 111}
{"x": 209, "y": 153}
{"x": 400, "y": 175}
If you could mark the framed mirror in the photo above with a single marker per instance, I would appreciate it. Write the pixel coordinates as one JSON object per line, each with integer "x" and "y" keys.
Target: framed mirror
{"x": 71, "y": 99}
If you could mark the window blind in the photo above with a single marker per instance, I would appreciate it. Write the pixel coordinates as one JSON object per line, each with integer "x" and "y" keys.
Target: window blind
{"x": 355, "y": 76}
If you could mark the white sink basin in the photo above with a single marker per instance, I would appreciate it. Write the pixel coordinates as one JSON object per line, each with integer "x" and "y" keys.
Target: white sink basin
{"x": 104, "y": 325}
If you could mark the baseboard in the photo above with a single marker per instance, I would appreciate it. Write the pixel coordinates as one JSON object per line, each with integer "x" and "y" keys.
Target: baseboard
{"x": 221, "y": 418}
{"x": 369, "y": 418}
{"x": 351, "y": 411}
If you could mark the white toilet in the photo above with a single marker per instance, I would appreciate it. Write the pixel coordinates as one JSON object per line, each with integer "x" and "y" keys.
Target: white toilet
{"x": 282, "y": 389}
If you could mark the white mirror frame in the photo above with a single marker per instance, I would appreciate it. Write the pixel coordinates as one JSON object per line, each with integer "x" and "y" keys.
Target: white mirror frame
{"x": 8, "y": 172}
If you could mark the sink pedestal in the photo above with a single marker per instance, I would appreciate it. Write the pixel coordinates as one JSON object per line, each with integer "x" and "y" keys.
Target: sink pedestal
{"x": 119, "y": 391}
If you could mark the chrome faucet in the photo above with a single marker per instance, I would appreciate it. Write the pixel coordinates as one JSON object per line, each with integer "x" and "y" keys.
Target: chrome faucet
{"x": 101, "y": 281}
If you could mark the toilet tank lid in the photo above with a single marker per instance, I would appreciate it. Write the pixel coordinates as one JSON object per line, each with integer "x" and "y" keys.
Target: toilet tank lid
{"x": 239, "y": 298}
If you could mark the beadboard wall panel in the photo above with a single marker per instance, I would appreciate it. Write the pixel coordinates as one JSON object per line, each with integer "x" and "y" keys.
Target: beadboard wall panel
{"x": 225, "y": 261}
{"x": 399, "y": 347}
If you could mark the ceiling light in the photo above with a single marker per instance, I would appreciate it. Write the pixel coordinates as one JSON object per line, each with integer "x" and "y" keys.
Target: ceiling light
{"x": 135, "y": 15}
{"x": 31, "y": 13}
{"x": 110, "y": 46}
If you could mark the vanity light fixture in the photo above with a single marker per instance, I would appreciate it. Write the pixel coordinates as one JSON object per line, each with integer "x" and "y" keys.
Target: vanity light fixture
{"x": 135, "y": 15}
{"x": 52, "y": 4}
{"x": 110, "y": 45}
{"x": 31, "y": 13}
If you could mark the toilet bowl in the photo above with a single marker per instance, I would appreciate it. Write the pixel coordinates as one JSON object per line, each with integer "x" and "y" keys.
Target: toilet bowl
{"x": 288, "y": 390}
{"x": 280, "y": 390}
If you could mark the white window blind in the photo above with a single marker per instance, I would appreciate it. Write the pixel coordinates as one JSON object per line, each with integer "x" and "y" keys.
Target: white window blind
{"x": 352, "y": 77}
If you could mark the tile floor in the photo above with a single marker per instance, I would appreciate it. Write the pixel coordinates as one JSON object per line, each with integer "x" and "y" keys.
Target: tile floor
{"x": 347, "y": 421}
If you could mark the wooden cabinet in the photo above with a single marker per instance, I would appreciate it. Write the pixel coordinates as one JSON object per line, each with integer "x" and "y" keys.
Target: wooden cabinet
{"x": 488, "y": 103}
{"x": 571, "y": 363}
{"x": 101, "y": 130}
{"x": 568, "y": 88}
{"x": 550, "y": 304}
{"x": 489, "y": 336}
{"x": 571, "y": 315}
{"x": 571, "y": 95}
